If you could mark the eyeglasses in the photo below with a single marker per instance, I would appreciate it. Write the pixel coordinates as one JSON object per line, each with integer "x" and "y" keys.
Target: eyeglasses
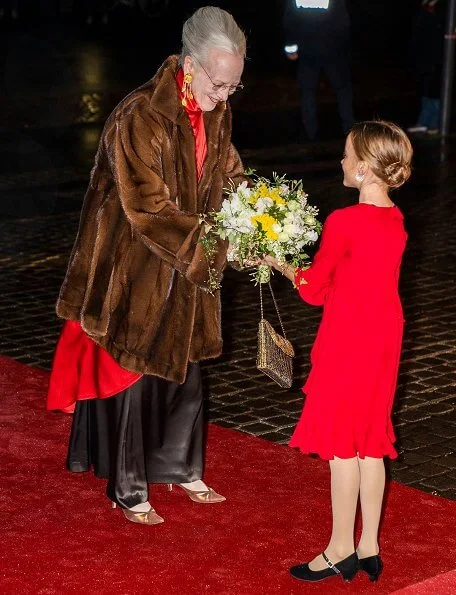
{"x": 218, "y": 88}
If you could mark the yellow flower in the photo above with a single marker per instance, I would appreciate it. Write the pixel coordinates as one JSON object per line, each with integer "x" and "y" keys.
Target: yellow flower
{"x": 262, "y": 190}
{"x": 272, "y": 235}
{"x": 275, "y": 195}
{"x": 266, "y": 222}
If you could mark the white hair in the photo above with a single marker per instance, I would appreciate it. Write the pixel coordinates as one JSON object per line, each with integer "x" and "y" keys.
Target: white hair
{"x": 211, "y": 28}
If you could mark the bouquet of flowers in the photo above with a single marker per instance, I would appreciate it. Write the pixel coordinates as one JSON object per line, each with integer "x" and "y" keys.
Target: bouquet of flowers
{"x": 266, "y": 217}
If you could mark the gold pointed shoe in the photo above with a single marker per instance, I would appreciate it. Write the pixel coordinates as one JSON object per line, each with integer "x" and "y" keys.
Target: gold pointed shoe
{"x": 142, "y": 518}
{"x": 208, "y": 496}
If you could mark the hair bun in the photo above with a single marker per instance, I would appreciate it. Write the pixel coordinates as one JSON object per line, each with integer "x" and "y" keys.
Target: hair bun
{"x": 386, "y": 148}
{"x": 397, "y": 174}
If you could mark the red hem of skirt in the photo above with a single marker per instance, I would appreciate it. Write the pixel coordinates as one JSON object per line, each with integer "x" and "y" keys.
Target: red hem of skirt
{"x": 325, "y": 457}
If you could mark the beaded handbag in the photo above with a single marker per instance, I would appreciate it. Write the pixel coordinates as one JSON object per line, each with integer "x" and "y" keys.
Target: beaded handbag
{"x": 275, "y": 353}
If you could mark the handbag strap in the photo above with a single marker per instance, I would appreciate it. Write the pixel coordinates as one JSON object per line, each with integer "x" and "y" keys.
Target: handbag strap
{"x": 275, "y": 304}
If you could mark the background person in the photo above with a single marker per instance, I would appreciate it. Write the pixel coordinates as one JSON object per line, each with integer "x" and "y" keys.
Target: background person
{"x": 426, "y": 56}
{"x": 10, "y": 8}
{"x": 350, "y": 390}
{"x": 97, "y": 10}
{"x": 140, "y": 316}
{"x": 317, "y": 35}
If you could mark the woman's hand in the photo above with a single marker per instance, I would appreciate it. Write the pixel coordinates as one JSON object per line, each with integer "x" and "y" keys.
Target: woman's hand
{"x": 253, "y": 263}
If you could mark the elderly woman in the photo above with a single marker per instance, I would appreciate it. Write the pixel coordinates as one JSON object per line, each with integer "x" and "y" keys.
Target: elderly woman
{"x": 136, "y": 297}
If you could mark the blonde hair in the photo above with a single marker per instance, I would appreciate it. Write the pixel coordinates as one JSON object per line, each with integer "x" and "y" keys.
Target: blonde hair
{"x": 386, "y": 148}
{"x": 211, "y": 28}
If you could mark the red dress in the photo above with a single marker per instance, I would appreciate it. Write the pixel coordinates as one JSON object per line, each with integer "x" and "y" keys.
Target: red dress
{"x": 355, "y": 357}
{"x": 82, "y": 369}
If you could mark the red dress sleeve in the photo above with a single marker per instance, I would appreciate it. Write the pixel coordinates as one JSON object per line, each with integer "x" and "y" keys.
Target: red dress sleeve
{"x": 313, "y": 283}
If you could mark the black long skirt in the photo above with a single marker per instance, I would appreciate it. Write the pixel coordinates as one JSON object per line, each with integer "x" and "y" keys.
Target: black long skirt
{"x": 151, "y": 432}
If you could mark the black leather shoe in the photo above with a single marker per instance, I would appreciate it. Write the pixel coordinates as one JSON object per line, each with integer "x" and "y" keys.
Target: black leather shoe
{"x": 346, "y": 569}
{"x": 373, "y": 565}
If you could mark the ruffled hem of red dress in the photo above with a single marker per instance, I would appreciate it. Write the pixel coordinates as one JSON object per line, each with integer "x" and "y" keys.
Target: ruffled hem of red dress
{"x": 386, "y": 450}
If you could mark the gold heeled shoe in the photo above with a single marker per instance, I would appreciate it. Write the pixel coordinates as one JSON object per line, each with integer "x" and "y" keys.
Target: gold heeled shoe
{"x": 143, "y": 518}
{"x": 208, "y": 496}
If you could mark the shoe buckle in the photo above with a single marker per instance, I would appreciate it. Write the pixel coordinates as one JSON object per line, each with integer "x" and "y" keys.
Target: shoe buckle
{"x": 330, "y": 564}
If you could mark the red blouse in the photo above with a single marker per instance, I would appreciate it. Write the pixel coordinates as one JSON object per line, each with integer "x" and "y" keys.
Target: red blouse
{"x": 197, "y": 121}
{"x": 81, "y": 368}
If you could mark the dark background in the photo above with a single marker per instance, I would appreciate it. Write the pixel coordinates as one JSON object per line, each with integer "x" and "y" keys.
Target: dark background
{"x": 380, "y": 25}
{"x": 60, "y": 78}
{"x": 47, "y": 54}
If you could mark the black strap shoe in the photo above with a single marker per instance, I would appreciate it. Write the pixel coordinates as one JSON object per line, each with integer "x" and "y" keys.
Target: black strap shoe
{"x": 346, "y": 569}
{"x": 373, "y": 565}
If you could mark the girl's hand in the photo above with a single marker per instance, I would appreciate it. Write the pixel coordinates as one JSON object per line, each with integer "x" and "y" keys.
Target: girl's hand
{"x": 272, "y": 262}
{"x": 286, "y": 269}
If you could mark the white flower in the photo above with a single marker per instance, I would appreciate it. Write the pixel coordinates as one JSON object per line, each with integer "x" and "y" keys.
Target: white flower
{"x": 226, "y": 212}
{"x": 311, "y": 235}
{"x": 291, "y": 218}
{"x": 293, "y": 206}
{"x": 277, "y": 228}
{"x": 243, "y": 224}
{"x": 263, "y": 204}
{"x": 290, "y": 229}
{"x": 284, "y": 237}
{"x": 236, "y": 204}
{"x": 302, "y": 196}
{"x": 309, "y": 220}
{"x": 244, "y": 189}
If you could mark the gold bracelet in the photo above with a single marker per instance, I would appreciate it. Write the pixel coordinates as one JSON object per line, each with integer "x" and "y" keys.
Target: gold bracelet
{"x": 284, "y": 268}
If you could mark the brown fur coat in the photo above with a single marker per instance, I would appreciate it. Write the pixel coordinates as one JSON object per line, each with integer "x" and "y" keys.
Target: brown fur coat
{"x": 137, "y": 276}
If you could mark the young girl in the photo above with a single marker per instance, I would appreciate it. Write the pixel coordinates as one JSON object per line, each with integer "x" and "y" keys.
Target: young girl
{"x": 355, "y": 358}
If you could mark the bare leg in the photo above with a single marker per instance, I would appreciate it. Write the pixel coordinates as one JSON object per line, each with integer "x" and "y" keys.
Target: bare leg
{"x": 345, "y": 483}
{"x": 372, "y": 487}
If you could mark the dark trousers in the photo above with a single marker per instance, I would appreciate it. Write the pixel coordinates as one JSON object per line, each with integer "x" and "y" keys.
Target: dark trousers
{"x": 96, "y": 7}
{"x": 429, "y": 115}
{"x": 337, "y": 69}
{"x": 9, "y": 4}
{"x": 151, "y": 432}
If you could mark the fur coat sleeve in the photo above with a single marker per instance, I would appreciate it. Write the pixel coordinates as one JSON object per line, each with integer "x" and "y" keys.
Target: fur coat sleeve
{"x": 172, "y": 233}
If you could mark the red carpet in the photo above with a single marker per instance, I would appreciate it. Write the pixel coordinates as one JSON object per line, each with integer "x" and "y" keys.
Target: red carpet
{"x": 442, "y": 584}
{"x": 59, "y": 534}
